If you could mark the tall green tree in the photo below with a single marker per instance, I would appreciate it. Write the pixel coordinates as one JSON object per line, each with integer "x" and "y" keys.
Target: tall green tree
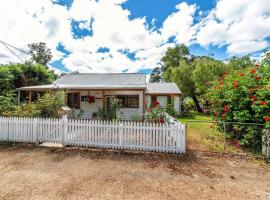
{"x": 155, "y": 75}
{"x": 174, "y": 55}
{"x": 206, "y": 69}
{"x": 13, "y": 76}
{"x": 236, "y": 63}
{"x": 40, "y": 53}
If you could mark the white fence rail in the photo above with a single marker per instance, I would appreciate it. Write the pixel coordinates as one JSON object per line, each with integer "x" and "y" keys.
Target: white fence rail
{"x": 96, "y": 133}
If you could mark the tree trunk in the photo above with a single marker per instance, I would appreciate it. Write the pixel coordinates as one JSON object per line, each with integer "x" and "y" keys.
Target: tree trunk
{"x": 198, "y": 107}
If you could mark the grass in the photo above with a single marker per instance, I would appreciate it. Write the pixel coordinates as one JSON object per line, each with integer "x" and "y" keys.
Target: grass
{"x": 194, "y": 116}
{"x": 203, "y": 136}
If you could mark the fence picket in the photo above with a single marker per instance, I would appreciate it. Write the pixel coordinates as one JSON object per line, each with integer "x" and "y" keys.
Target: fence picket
{"x": 142, "y": 136}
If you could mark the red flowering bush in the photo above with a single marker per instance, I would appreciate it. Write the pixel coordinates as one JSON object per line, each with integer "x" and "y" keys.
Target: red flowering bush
{"x": 243, "y": 96}
{"x": 155, "y": 114}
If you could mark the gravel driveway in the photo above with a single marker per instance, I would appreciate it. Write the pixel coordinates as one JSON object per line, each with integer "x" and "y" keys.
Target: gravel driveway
{"x": 29, "y": 172}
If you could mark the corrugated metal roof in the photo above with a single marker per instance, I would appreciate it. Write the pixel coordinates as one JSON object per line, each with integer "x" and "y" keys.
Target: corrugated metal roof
{"x": 162, "y": 88}
{"x": 96, "y": 81}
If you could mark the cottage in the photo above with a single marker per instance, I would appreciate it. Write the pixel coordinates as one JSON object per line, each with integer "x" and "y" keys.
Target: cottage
{"x": 89, "y": 92}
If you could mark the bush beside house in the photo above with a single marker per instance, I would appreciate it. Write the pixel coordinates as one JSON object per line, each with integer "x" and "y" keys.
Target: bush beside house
{"x": 242, "y": 96}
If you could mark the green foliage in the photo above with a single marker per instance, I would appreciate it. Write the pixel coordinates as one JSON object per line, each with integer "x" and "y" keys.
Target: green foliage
{"x": 155, "y": 75}
{"x": 187, "y": 106}
{"x": 242, "y": 96}
{"x": 156, "y": 115}
{"x": 76, "y": 114}
{"x": 182, "y": 77}
{"x": 49, "y": 104}
{"x": 170, "y": 107}
{"x": 46, "y": 106}
{"x": 7, "y": 103}
{"x": 206, "y": 69}
{"x": 135, "y": 117}
{"x": 173, "y": 56}
{"x": 13, "y": 76}
{"x": 25, "y": 110}
{"x": 40, "y": 53}
{"x": 112, "y": 112}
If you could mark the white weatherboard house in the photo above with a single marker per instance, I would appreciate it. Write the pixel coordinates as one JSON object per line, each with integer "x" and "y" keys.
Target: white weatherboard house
{"x": 89, "y": 92}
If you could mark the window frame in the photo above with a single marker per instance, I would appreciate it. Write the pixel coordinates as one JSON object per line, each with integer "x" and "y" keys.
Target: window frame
{"x": 127, "y": 101}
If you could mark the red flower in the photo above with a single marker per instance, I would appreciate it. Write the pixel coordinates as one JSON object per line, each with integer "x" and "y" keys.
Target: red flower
{"x": 251, "y": 90}
{"x": 162, "y": 121}
{"x": 226, "y": 108}
{"x": 257, "y": 78}
{"x": 211, "y": 126}
{"x": 252, "y": 71}
{"x": 263, "y": 103}
{"x": 266, "y": 118}
{"x": 149, "y": 109}
{"x": 156, "y": 103}
{"x": 241, "y": 74}
{"x": 223, "y": 115}
{"x": 216, "y": 113}
{"x": 254, "y": 98}
{"x": 235, "y": 83}
{"x": 257, "y": 65}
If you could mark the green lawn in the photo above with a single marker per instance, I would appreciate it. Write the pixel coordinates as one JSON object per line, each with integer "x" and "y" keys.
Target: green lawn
{"x": 202, "y": 134}
{"x": 194, "y": 116}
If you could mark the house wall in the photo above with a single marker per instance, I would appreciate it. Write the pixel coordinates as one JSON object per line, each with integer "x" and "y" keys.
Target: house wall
{"x": 126, "y": 113}
{"x": 88, "y": 108}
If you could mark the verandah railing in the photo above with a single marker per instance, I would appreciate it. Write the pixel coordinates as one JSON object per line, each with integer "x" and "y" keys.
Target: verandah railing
{"x": 141, "y": 136}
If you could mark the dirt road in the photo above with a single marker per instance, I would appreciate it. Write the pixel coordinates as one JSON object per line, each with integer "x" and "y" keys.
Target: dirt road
{"x": 28, "y": 172}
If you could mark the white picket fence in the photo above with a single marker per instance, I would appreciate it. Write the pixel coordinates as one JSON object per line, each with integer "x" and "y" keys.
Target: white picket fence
{"x": 141, "y": 136}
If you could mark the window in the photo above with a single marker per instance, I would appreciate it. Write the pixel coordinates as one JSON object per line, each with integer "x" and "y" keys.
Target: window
{"x": 73, "y": 100}
{"x": 129, "y": 101}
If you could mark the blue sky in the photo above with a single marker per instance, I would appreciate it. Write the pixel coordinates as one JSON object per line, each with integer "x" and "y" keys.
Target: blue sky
{"x": 132, "y": 35}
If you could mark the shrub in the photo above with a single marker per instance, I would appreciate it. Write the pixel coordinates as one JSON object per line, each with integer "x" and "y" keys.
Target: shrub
{"x": 170, "y": 107}
{"x": 112, "y": 112}
{"x": 155, "y": 114}
{"x": 242, "y": 96}
{"x": 7, "y": 103}
{"x": 49, "y": 104}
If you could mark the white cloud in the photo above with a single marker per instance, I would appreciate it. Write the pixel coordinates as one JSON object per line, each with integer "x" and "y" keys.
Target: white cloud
{"x": 243, "y": 25}
{"x": 180, "y": 24}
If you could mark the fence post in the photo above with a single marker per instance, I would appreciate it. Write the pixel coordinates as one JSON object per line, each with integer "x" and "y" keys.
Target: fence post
{"x": 65, "y": 128}
{"x": 266, "y": 142}
{"x": 184, "y": 137}
{"x": 121, "y": 130}
{"x": 225, "y": 129}
{"x": 35, "y": 131}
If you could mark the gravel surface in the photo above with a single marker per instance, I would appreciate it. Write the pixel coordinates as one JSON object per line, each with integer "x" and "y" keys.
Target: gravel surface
{"x": 29, "y": 172}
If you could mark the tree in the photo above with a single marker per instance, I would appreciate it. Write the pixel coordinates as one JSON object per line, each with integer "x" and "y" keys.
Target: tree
{"x": 174, "y": 55}
{"x": 13, "y": 76}
{"x": 205, "y": 70}
{"x": 155, "y": 75}
{"x": 40, "y": 53}
{"x": 239, "y": 62}
{"x": 182, "y": 76}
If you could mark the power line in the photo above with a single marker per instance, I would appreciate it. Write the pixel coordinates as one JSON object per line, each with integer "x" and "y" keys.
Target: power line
{"x": 11, "y": 51}
{"x": 25, "y": 52}
{"x": 14, "y": 47}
